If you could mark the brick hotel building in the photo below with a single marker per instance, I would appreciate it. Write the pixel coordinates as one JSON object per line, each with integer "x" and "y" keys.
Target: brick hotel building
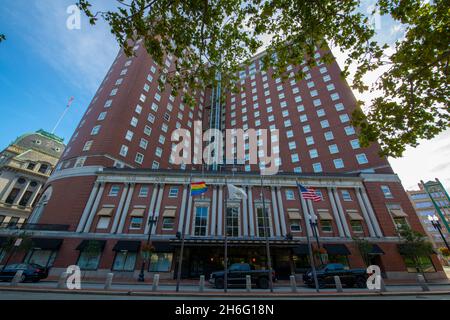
{"x": 116, "y": 173}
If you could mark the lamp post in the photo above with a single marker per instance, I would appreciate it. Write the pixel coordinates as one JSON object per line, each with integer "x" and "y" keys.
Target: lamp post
{"x": 151, "y": 222}
{"x": 437, "y": 225}
{"x": 314, "y": 227}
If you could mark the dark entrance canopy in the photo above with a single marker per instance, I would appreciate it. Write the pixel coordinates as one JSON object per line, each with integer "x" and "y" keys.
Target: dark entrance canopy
{"x": 132, "y": 246}
{"x": 162, "y": 247}
{"x": 339, "y": 249}
{"x": 47, "y": 244}
{"x": 301, "y": 249}
{"x": 83, "y": 244}
{"x": 376, "y": 250}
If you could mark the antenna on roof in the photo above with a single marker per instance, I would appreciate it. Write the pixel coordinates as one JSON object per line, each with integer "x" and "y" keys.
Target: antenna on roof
{"x": 63, "y": 114}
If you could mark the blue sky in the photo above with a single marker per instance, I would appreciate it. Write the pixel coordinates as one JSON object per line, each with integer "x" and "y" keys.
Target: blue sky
{"x": 42, "y": 64}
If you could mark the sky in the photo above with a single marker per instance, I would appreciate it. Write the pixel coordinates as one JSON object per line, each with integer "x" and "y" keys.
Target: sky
{"x": 43, "y": 64}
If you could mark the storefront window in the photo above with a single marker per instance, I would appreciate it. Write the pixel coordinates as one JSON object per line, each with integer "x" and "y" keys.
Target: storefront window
{"x": 44, "y": 258}
{"x": 425, "y": 263}
{"x": 301, "y": 263}
{"x": 356, "y": 226}
{"x": 124, "y": 261}
{"x": 201, "y": 220}
{"x": 337, "y": 258}
{"x": 326, "y": 226}
{"x": 89, "y": 260}
{"x": 233, "y": 222}
{"x": 168, "y": 223}
{"x": 161, "y": 262}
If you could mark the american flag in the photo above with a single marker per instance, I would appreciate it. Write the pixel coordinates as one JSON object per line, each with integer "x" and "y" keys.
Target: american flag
{"x": 309, "y": 194}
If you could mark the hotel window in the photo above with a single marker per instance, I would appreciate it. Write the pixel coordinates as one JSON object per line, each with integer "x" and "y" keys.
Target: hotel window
{"x": 168, "y": 223}
{"x": 147, "y": 130}
{"x": 164, "y": 127}
{"x": 387, "y": 192}
{"x": 331, "y": 87}
{"x": 150, "y": 78}
{"x": 88, "y": 145}
{"x": 134, "y": 122}
{"x": 114, "y": 190}
{"x": 338, "y": 163}
{"x": 201, "y": 221}
{"x": 166, "y": 116}
{"x": 300, "y": 108}
{"x": 136, "y": 223}
{"x": 292, "y": 145}
{"x": 290, "y": 195}
{"x": 349, "y": 130}
{"x": 268, "y": 101}
{"x": 310, "y": 84}
{"x": 307, "y": 129}
{"x": 113, "y": 92}
{"x": 80, "y": 162}
{"x": 317, "y": 167}
{"x": 334, "y": 96}
{"x": 146, "y": 87}
{"x": 95, "y": 130}
{"x": 151, "y": 118}
{"x": 324, "y": 124}
{"x": 289, "y": 133}
{"x": 398, "y": 215}
{"x": 158, "y": 152}
{"x": 162, "y": 139}
{"x": 320, "y": 113}
{"x": 143, "y": 191}
{"x": 287, "y": 123}
{"x": 108, "y": 103}
{"x": 362, "y": 158}
{"x": 155, "y": 165}
{"x": 124, "y": 261}
{"x": 173, "y": 192}
{"x": 303, "y": 118}
{"x": 295, "y": 225}
{"x": 313, "y": 153}
{"x": 119, "y": 81}
{"x": 357, "y": 226}
{"x": 143, "y": 144}
{"x": 346, "y": 195}
{"x": 263, "y": 222}
{"x": 123, "y": 150}
{"x": 326, "y": 226}
{"x": 295, "y": 90}
{"x": 344, "y": 118}
{"x": 326, "y": 78}
{"x": 232, "y": 221}
{"x": 281, "y": 96}
{"x": 139, "y": 158}
{"x": 323, "y": 70}
{"x": 123, "y": 72}
{"x": 294, "y": 158}
{"x": 102, "y": 116}
{"x": 152, "y": 69}
{"x": 309, "y": 140}
{"x": 103, "y": 222}
{"x": 333, "y": 149}
{"x": 314, "y": 93}
{"x": 298, "y": 99}
{"x": 154, "y": 107}
{"x": 339, "y": 106}
{"x": 280, "y": 88}
{"x": 157, "y": 97}
{"x": 317, "y": 102}
{"x": 355, "y": 144}
{"x": 298, "y": 169}
{"x": 138, "y": 109}
{"x": 129, "y": 135}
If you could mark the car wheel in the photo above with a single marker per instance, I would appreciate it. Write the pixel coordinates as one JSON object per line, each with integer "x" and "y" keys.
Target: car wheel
{"x": 263, "y": 283}
{"x": 219, "y": 283}
{"x": 360, "y": 283}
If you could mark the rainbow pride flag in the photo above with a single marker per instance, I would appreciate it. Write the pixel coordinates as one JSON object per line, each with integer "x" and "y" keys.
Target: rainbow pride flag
{"x": 198, "y": 188}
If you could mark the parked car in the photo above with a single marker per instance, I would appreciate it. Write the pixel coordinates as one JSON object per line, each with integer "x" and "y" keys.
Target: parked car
{"x": 31, "y": 272}
{"x": 326, "y": 273}
{"x": 237, "y": 274}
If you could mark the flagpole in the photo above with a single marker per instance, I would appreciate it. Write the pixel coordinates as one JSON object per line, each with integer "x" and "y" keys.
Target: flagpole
{"x": 225, "y": 199}
{"x": 63, "y": 114}
{"x": 180, "y": 259}
{"x": 266, "y": 234}
{"x": 311, "y": 257}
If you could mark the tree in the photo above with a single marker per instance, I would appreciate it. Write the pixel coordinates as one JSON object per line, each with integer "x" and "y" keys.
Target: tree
{"x": 414, "y": 246}
{"x": 364, "y": 248}
{"x": 218, "y": 36}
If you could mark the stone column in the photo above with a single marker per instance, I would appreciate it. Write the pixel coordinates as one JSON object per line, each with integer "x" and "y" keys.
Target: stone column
{"x": 281, "y": 211}
{"x": 94, "y": 208}
{"x": 336, "y": 213}
{"x": 371, "y": 213}
{"x": 341, "y": 214}
{"x": 34, "y": 195}
{"x": 87, "y": 208}
{"x": 306, "y": 215}
{"x": 275, "y": 212}
{"x": 188, "y": 217}
{"x": 118, "y": 213}
{"x": 182, "y": 209}
{"x": 126, "y": 206}
{"x": 158, "y": 206}
{"x": 365, "y": 214}
{"x": 212, "y": 230}
{"x": 21, "y": 193}
{"x": 251, "y": 216}
{"x": 8, "y": 189}
{"x": 151, "y": 206}
{"x": 245, "y": 215}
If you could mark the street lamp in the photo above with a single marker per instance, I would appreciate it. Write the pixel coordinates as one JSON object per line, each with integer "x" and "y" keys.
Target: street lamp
{"x": 315, "y": 229}
{"x": 151, "y": 222}
{"x": 437, "y": 225}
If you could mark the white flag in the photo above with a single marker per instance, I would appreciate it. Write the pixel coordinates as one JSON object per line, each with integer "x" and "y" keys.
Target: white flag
{"x": 235, "y": 192}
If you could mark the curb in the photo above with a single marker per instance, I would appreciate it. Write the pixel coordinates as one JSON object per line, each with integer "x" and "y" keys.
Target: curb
{"x": 221, "y": 295}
